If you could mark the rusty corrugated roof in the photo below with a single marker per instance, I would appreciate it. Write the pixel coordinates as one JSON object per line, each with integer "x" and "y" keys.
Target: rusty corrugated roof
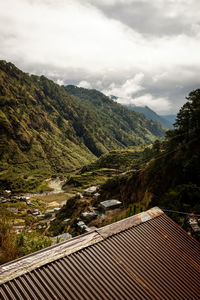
{"x": 146, "y": 256}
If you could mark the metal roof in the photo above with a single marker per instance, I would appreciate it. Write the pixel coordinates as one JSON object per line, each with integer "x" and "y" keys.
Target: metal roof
{"x": 110, "y": 203}
{"x": 147, "y": 256}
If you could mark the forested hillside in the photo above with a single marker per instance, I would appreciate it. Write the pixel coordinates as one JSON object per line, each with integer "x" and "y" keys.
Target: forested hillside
{"x": 46, "y": 131}
{"x": 128, "y": 127}
{"x": 170, "y": 175}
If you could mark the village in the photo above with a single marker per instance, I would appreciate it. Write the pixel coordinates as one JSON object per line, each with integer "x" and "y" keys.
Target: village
{"x": 31, "y": 213}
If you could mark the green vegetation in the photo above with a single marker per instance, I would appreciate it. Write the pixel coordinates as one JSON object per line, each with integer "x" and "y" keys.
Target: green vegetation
{"x": 86, "y": 179}
{"x": 8, "y": 246}
{"x": 170, "y": 176}
{"x": 115, "y": 126}
{"x": 120, "y": 160}
{"x": 166, "y": 174}
{"x": 72, "y": 209}
{"x": 47, "y": 131}
{"x": 31, "y": 242}
{"x": 13, "y": 246}
{"x": 176, "y": 172}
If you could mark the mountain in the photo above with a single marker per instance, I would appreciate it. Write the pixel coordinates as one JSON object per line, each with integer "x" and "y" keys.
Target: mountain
{"x": 152, "y": 115}
{"x": 128, "y": 127}
{"x": 46, "y": 130}
{"x": 170, "y": 118}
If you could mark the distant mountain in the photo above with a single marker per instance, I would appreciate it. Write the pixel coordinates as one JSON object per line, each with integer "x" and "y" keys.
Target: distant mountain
{"x": 170, "y": 118}
{"x": 152, "y": 115}
{"x": 128, "y": 127}
{"x": 45, "y": 130}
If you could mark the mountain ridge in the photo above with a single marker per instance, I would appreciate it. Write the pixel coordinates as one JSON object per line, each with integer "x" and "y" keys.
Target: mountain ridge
{"x": 45, "y": 130}
{"x": 150, "y": 114}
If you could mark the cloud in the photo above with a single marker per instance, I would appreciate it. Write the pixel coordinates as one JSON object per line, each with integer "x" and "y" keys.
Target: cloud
{"x": 160, "y": 105}
{"x": 127, "y": 89}
{"x": 132, "y": 92}
{"x": 59, "y": 81}
{"x": 162, "y": 17}
{"x": 127, "y": 47}
{"x": 84, "y": 84}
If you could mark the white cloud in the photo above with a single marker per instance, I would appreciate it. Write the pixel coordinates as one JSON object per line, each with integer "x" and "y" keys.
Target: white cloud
{"x": 160, "y": 76}
{"x": 60, "y": 81}
{"x": 84, "y": 84}
{"x": 127, "y": 89}
{"x": 127, "y": 93}
{"x": 160, "y": 105}
{"x": 75, "y": 41}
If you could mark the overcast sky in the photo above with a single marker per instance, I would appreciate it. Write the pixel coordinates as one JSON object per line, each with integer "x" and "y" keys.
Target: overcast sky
{"x": 146, "y": 52}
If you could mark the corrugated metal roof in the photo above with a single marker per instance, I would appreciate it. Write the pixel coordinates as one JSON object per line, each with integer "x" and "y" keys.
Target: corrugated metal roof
{"x": 147, "y": 256}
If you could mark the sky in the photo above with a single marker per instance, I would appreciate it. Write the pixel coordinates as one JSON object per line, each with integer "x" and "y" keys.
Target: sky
{"x": 145, "y": 52}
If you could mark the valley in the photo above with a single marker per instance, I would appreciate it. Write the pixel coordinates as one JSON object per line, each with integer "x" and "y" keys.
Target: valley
{"x": 49, "y": 130}
{"x": 56, "y": 215}
{"x": 73, "y": 160}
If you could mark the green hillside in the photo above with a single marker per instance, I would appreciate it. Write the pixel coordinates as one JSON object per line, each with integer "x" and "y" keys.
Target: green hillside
{"x": 121, "y": 160}
{"x": 170, "y": 176}
{"x": 127, "y": 127}
{"x": 46, "y": 131}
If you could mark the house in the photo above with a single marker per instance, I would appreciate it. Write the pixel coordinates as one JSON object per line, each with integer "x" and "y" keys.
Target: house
{"x": 194, "y": 224}
{"x": 35, "y": 212}
{"x": 41, "y": 216}
{"x": 146, "y": 256}
{"x": 89, "y": 192}
{"x": 52, "y": 219}
{"x": 56, "y": 209}
{"x": 110, "y": 204}
{"x": 4, "y": 200}
{"x": 49, "y": 211}
{"x": 89, "y": 215}
{"x": 7, "y": 192}
{"x": 97, "y": 195}
{"x": 66, "y": 221}
{"x": 81, "y": 224}
{"x": 18, "y": 228}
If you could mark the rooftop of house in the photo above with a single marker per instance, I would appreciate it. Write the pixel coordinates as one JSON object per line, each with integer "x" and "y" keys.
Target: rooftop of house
{"x": 146, "y": 256}
{"x": 110, "y": 203}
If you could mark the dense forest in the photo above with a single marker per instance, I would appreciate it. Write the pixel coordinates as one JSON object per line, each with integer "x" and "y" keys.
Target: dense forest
{"x": 46, "y": 131}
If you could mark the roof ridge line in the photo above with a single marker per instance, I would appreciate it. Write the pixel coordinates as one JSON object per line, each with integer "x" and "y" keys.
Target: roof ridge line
{"x": 129, "y": 222}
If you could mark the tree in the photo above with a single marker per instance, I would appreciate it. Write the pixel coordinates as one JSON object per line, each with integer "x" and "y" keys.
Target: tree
{"x": 188, "y": 118}
{"x": 8, "y": 245}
